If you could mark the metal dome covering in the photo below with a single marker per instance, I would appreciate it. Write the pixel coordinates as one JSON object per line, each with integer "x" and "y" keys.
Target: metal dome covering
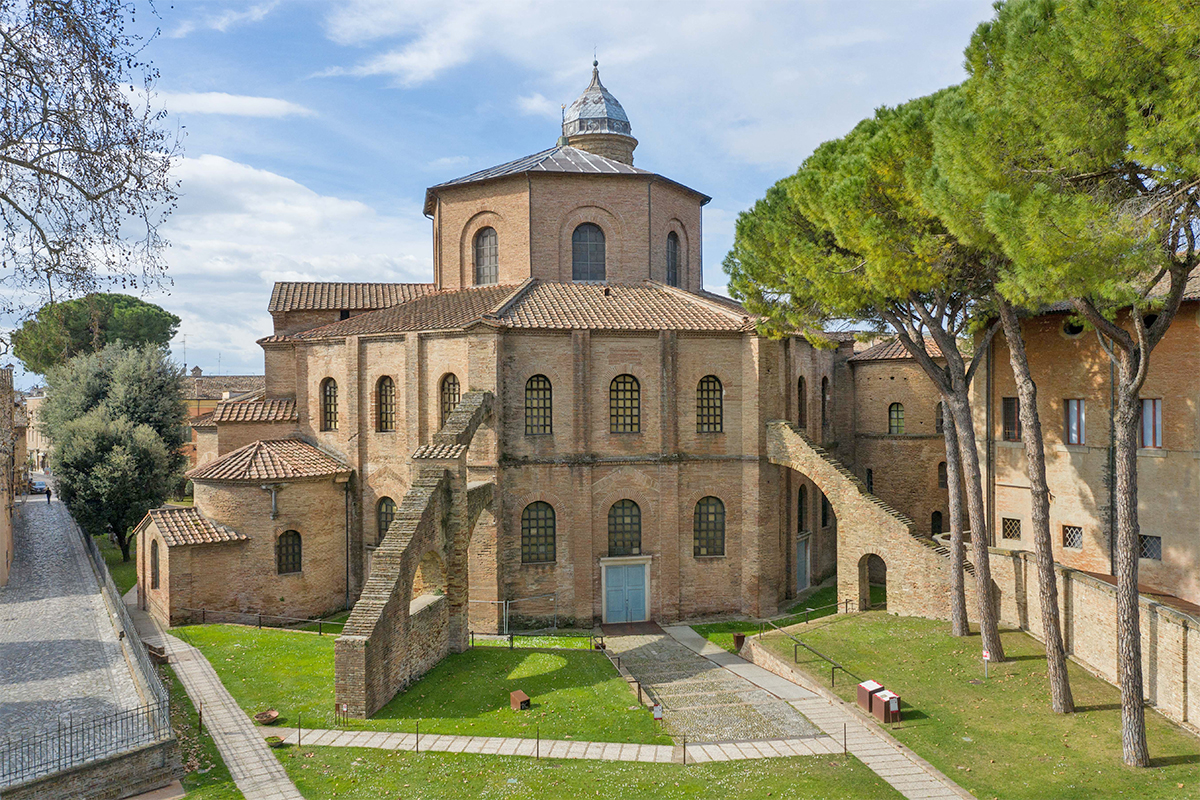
{"x": 596, "y": 111}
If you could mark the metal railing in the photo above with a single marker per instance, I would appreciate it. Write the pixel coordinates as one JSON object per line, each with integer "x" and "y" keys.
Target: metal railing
{"x": 798, "y": 643}
{"x": 256, "y": 619}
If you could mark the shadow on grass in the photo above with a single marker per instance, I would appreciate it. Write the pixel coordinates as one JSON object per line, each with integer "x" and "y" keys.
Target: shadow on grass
{"x": 1168, "y": 761}
{"x": 1099, "y": 707}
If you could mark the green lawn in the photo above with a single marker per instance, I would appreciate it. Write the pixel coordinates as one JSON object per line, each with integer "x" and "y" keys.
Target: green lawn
{"x": 575, "y": 693}
{"x": 556, "y": 641}
{"x": 323, "y": 772}
{"x": 208, "y": 778}
{"x": 824, "y": 600}
{"x": 998, "y": 738}
{"x": 333, "y": 623}
{"x": 124, "y": 573}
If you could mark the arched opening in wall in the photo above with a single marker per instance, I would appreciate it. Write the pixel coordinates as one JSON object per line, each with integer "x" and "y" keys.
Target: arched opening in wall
{"x": 872, "y": 582}
{"x": 430, "y": 577}
{"x": 824, "y": 406}
{"x": 802, "y": 405}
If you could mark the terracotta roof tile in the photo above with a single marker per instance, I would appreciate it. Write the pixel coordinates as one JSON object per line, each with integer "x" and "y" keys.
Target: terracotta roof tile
{"x": 893, "y": 350}
{"x": 214, "y": 387}
{"x": 185, "y": 526}
{"x": 204, "y": 421}
{"x": 319, "y": 296}
{"x": 256, "y": 411}
{"x": 444, "y": 310}
{"x": 270, "y": 460}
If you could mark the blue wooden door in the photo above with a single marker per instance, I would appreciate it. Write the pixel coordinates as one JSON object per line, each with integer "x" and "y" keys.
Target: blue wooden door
{"x": 802, "y": 565}
{"x": 625, "y": 593}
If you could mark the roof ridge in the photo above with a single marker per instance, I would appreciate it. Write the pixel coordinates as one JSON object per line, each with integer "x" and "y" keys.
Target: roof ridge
{"x": 702, "y": 300}
{"x": 508, "y": 302}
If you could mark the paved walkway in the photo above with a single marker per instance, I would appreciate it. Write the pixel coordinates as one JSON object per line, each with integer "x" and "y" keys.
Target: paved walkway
{"x": 907, "y": 772}
{"x": 254, "y": 768}
{"x": 59, "y": 653}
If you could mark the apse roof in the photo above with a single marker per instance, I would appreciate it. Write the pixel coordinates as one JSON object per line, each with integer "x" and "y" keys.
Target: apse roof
{"x": 270, "y": 460}
{"x": 185, "y": 526}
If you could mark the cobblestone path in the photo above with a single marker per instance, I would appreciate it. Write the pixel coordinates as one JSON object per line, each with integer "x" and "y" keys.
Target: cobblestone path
{"x": 59, "y": 653}
{"x": 702, "y": 700}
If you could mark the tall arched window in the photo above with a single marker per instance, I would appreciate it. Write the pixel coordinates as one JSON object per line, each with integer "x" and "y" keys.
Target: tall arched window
{"x": 939, "y": 421}
{"x": 624, "y": 529}
{"x": 450, "y": 395}
{"x": 824, "y": 404}
{"x": 825, "y": 511}
{"x": 385, "y": 404}
{"x": 487, "y": 258}
{"x": 587, "y": 253}
{"x": 329, "y": 411}
{"x": 935, "y": 523}
{"x": 385, "y": 512}
{"x": 537, "y": 534}
{"x": 287, "y": 552}
{"x": 539, "y": 406}
{"x": 624, "y": 405}
{"x": 708, "y": 528}
{"x": 896, "y": 419}
{"x": 709, "y": 418}
{"x": 943, "y": 481}
{"x": 802, "y": 511}
{"x": 672, "y": 259}
{"x": 802, "y": 403}
{"x": 154, "y": 563}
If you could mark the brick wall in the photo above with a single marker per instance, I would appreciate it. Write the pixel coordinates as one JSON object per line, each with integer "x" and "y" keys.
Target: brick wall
{"x": 126, "y": 775}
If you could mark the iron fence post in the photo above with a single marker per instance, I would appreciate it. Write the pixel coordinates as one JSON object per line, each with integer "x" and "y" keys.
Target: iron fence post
{"x": 418, "y": 736}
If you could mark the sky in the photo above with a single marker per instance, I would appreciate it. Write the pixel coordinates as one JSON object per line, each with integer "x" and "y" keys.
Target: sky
{"x": 310, "y": 130}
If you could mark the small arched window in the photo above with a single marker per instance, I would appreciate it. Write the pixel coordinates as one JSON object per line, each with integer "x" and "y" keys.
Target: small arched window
{"x": 825, "y": 511}
{"x": 287, "y": 552}
{"x": 802, "y": 403}
{"x": 450, "y": 395}
{"x": 487, "y": 257}
{"x": 539, "y": 406}
{"x": 154, "y": 563}
{"x": 824, "y": 404}
{"x": 943, "y": 481}
{"x": 385, "y": 404}
{"x": 385, "y": 512}
{"x": 329, "y": 403}
{"x": 896, "y": 419}
{"x": 624, "y": 529}
{"x": 537, "y": 534}
{"x": 624, "y": 405}
{"x": 939, "y": 421}
{"x": 708, "y": 528}
{"x": 935, "y": 523}
{"x": 672, "y": 259}
{"x": 709, "y": 417}
{"x": 802, "y": 511}
{"x": 587, "y": 253}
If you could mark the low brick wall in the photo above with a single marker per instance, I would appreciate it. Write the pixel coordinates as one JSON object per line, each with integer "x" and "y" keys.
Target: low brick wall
{"x": 126, "y": 775}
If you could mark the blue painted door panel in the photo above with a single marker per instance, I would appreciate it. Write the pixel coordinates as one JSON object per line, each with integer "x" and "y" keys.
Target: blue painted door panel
{"x": 625, "y": 593}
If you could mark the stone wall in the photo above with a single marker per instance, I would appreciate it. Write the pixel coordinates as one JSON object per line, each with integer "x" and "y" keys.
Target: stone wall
{"x": 125, "y": 775}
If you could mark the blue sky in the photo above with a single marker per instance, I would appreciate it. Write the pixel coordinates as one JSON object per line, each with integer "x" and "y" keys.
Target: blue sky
{"x": 311, "y": 129}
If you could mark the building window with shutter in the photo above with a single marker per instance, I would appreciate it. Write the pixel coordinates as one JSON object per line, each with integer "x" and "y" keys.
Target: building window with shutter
{"x": 1150, "y": 430}
{"x": 1011, "y": 417}
{"x": 1074, "y": 421}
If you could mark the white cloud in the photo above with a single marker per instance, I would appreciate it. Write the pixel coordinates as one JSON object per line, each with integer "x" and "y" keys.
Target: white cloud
{"x": 225, "y": 20}
{"x": 447, "y": 162}
{"x": 537, "y": 104}
{"x": 230, "y": 104}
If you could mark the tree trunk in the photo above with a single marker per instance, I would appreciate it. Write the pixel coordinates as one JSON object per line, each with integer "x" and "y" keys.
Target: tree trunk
{"x": 1129, "y": 634}
{"x": 124, "y": 541}
{"x": 958, "y": 595}
{"x": 1035, "y": 458}
{"x": 989, "y": 628}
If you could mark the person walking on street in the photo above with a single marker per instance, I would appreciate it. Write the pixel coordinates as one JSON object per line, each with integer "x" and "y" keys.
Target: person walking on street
{"x": 48, "y": 491}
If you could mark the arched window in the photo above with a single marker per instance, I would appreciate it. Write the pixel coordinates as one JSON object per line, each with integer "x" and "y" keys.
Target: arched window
{"x": 802, "y": 511}
{"x": 943, "y": 481}
{"x": 825, "y": 511}
{"x": 329, "y": 415}
{"x": 939, "y": 421}
{"x": 450, "y": 396}
{"x": 537, "y": 533}
{"x": 385, "y": 512}
{"x": 824, "y": 404}
{"x": 624, "y": 405}
{"x": 708, "y": 528}
{"x": 871, "y": 481}
{"x": 385, "y": 404}
{"x": 708, "y": 405}
{"x": 935, "y": 523}
{"x": 802, "y": 403}
{"x": 624, "y": 529}
{"x": 672, "y": 259}
{"x": 154, "y": 563}
{"x": 287, "y": 552}
{"x": 587, "y": 253}
{"x": 895, "y": 419}
{"x": 487, "y": 259}
{"x": 539, "y": 406}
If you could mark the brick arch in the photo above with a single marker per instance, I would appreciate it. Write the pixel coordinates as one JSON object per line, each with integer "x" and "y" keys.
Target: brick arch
{"x": 865, "y": 569}
{"x": 675, "y": 225}
{"x": 615, "y": 240}
{"x": 466, "y": 242}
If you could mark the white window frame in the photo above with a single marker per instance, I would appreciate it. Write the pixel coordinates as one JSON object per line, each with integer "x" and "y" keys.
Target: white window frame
{"x": 1150, "y": 425}
{"x": 1076, "y": 421}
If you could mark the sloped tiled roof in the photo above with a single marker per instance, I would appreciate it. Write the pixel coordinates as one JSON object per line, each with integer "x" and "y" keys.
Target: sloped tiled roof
{"x": 893, "y": 350}
{"x": 184, "y": 526}
{"x": 214, "y": 387}
{"x": 204, "y": 421}
{"x": 270, "y": 460}
{"x": 256, "y": 411}
{"x": 319, "y": 296}
{"x": 444, "y": 310}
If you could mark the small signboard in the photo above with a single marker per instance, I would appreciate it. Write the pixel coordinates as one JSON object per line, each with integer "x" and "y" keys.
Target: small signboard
{"x": 987, "y": 655}
{"x": 658, "y": 714}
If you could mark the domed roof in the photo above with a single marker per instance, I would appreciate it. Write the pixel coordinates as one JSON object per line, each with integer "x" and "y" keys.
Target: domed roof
{"x": 596, "y": 111}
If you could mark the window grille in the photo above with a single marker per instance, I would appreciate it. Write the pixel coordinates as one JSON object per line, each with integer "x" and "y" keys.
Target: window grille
{"x": 1150, "y": 434}
{"x": 287, "y": 552}
{"x": 1011, "y": 413}
{"x": 943, "y": 478}
{"x": 896, "y": 419}
{"x": 1150, "y": 547}
{"x": 624, "y": 529}
{"x": 1075, "y": 421}
{"x": 587, "y": 253}
{"x": 537, "y": 534}
{"x": 487, "y": 261}
{"x": 1072, "y": 536}
{"x": 154, "y": 564}
{"x": 672, "y": 259}
{"x": 385, "y": 404}
{"x": 329, "y": 405}
{"x": 708, "y": 528}
{"x": 802, "y": 403}
{"x": 384, "y": 513}
{"x": 624, "y": 405}
{"x": 935, "y": 523}
{"x": 708, "y": 405}
{"x": 450, "y": 396}
{"x": 539, "y": 408}
{"x": 1010, "y": 528}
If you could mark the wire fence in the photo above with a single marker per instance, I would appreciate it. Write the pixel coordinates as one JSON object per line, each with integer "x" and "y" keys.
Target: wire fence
{"x": 255, "y": 619}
